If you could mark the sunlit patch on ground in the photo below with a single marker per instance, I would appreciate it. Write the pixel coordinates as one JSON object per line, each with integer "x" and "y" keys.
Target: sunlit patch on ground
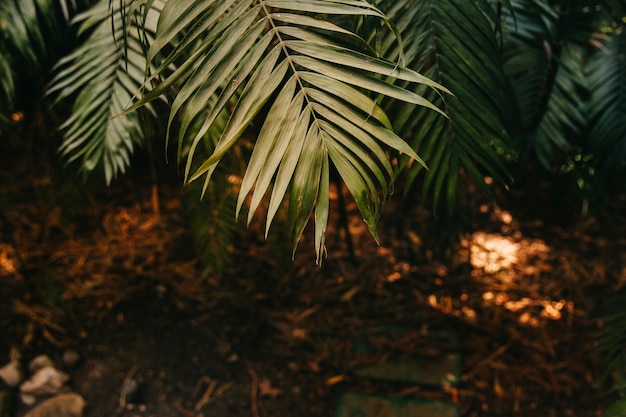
{"x": 515, "y": 274}
{"x": 493, "y": 253}
{"x": 507, "y": 260}
{"x": 7, "y": 260}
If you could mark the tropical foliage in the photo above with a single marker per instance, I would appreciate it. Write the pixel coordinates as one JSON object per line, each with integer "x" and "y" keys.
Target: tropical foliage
{"x": 33, "y": 35}
{"x": 566, "y": 73}
{"x": 101, "y": 76}
{"x": 302, "y": 92}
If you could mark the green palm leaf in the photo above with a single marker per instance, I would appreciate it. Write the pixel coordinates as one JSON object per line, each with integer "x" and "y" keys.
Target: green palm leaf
{"x": 607, "y": 110}
{"x": 102, "y": 76}
{"x": 545, "y": 63}
{"x": 7, "y": 86}
{"x": 452, "y": 42}
{"x": 212, "y": 226}
{"x": 312, "y": 76}
{"x": 564, "y": 112}
{"x": 31, "y": 33}
{"x": 21, "y": 28}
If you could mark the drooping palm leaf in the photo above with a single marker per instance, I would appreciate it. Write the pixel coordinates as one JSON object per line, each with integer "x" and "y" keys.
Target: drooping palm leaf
{"x": 564, "y": 112}
{"x": 211, "y": 222}
{"x": 209, "y": 210}
{"x": 20, "y": 24}
{"x": 452, "y": 42}
{"x": 607, "y": 110}
{"x": 529, "y": 31}
{"x": 545, "y": 57}
{"x": 32, "y": 33}
{"x": 102, "y": 76}
{"x": 7, "y": 86}
{"x": 610, "y": 343}
{"x": 310, "y": 74}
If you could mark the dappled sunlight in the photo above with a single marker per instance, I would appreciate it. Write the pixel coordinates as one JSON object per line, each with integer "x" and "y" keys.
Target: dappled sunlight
{"x": 514, "y": 274}
{"x": 7, "y": 261}
{"x": 510, "y": 266}
{"x": 509, "y": 257}
{"x": 493, "y": 253}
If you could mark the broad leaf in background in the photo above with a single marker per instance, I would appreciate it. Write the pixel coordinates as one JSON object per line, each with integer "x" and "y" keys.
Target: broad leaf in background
{"x": 7, "y": 83}
{"x": 568, "y": 90}
{"x": 209, "y": 210}
{"x": 22, "y": 31}
{"x": 311, "y": 77}
{"x": 607, "y": 113}
{"x": 546, "y": 75}
{"x": 102, "y": 76}
{"x": 31, "y": 33}
{"x": 453, "y": 43}
{"x": 563, "y": 114}
{"x": 7, "y": 88}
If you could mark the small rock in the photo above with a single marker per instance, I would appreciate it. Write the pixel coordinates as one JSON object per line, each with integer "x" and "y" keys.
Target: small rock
{"x": 47, "y": 380}
{"x": 70, "y": 358}
{"x": 11, "y": 374}
{"x": 67, "y": 405}
{"x": 40, "y": 362}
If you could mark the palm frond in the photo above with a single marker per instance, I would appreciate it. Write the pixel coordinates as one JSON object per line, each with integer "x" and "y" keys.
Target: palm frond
{"x": 35, "y": 28}
{"x": 102, "y": 76}
{"x": 31, "y": 33}
{"x": 452, "y": 42}
{"x": 564, "y": 114}
{"x": 20, "y": 24}
{"x": 530, "y": 30}
{"x": 546, "y": 50}
{"x": 607, "y": 110}
{"x": 610, "y": 343}
{"x": 209, "y": 209}
{"x": 310, "y": 74}
{"x": 7, "y": 86}
{"x": 211, "y": 222}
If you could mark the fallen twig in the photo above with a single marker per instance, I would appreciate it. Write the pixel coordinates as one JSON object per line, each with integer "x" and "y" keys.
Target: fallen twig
{"x": 206, "y": 397}
{"x": 254, "y": 390}
{"x": 180, "y": 410}
{"x": 37, "y": 314}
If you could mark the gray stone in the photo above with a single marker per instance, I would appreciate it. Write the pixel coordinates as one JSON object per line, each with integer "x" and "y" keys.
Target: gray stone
{"x": 443, "y": 371}
{"x": 70, "y": 358}
{"x": 363, "y": 405}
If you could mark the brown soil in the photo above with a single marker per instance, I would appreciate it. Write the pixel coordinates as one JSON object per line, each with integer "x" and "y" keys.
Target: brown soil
{"x": 120, "y": 285}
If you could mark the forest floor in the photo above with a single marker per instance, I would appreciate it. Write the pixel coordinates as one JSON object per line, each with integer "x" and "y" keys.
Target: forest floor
{"x": 119, "y": 284}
